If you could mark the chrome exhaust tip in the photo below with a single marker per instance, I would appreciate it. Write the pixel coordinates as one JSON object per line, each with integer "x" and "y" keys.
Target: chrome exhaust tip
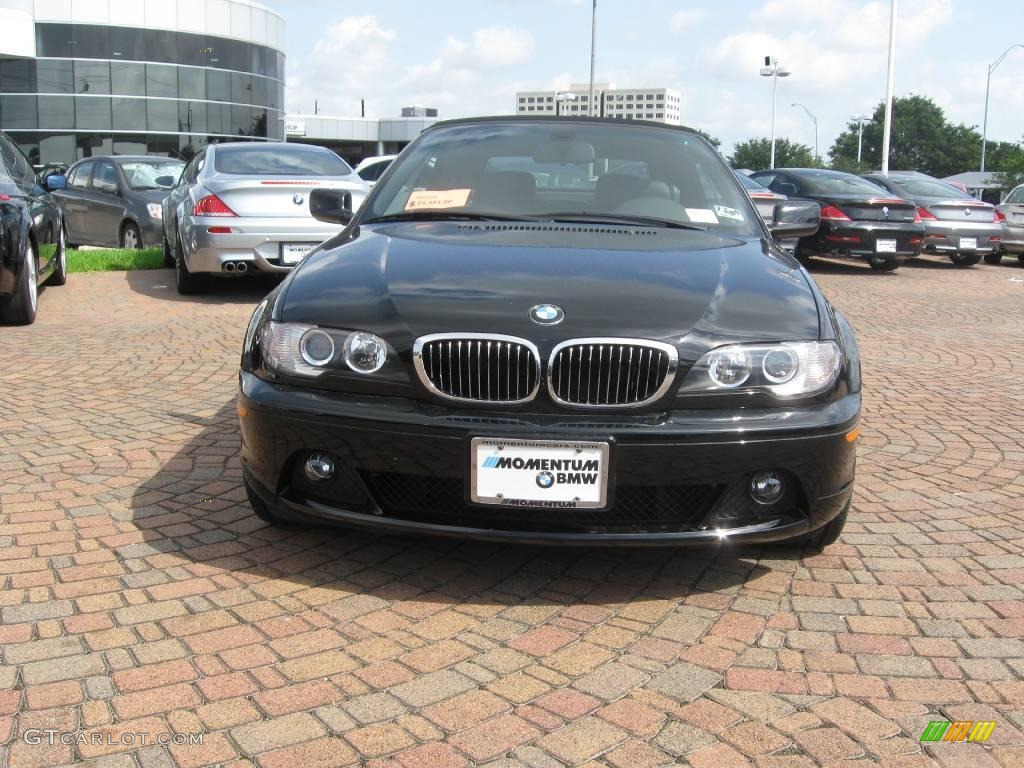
{"x": 242, "y": 267}
{"x": 229, "y": 266}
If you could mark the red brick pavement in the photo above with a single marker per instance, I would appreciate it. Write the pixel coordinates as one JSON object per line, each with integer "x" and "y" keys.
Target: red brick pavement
{"x": 140, "y": 596}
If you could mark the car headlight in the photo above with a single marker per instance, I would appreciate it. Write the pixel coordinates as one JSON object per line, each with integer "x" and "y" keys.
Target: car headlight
{"x": 307, "y": 350}
{"x": 790, "y": 369}
{"x": 155, "y": 210}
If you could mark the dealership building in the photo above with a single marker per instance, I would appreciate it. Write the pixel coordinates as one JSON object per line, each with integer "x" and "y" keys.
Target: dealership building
{"x": 164, "y": 77}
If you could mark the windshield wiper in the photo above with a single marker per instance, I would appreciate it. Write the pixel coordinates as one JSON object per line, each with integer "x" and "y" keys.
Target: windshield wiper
{"x": 448, "y": 216}
{"x": 618, "y": 218}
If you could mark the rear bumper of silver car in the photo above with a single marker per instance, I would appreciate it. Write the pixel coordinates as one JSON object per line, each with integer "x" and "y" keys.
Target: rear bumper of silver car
{"x": 943, "y": 236}
{"x": 1013, "y": 239}
{"x": 254, "y": 242}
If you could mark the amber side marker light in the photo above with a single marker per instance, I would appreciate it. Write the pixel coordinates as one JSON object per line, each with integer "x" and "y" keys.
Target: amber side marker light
{"x": 853, "y": 434}
{"x": 243, "y": 412}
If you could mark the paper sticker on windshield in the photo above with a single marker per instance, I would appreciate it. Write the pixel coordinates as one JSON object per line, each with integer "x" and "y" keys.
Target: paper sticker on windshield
{"x": 725, "y": 212}
{"x": 421, "y": 199}
{"x": 701, "y": 215}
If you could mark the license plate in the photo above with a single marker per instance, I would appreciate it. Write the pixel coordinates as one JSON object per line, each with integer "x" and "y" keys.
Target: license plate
{"x": 293, "y": 253}
{"x": 968, "y": 244}
{"x": 539, "y": 473}
{"x": 1018, "y": 218}
{"x": 885, "y": 246}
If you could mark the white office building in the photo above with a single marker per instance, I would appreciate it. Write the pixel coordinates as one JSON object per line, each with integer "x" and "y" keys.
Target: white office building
{"x": 658, "y": 104}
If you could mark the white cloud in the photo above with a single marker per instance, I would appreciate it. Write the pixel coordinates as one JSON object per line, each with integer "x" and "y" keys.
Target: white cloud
{"x": 359, "y": 57}
{"x": 685, "y": 20}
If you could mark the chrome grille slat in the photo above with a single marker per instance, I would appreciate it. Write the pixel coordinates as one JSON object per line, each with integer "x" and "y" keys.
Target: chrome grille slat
{"x": 473, "y": 367}
{"x": 623, "y": 373}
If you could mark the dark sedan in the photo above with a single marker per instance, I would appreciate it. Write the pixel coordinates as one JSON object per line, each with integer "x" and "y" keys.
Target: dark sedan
{"x": 630, "y": 359}
{"x": 858, "y": 218}
{"x": 32, "y": 249}
{"x": 116, "y": 201}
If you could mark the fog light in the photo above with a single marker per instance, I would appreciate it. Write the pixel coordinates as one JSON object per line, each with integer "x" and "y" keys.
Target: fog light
{"x": 766, "y": 487}
{"x": 319, "y": 467}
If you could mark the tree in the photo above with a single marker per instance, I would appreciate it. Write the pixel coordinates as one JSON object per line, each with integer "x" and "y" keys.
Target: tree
{"x": 922, "y": 140}
{"x": 755, "y": 154}
{"x": 1006, "y": 158}
{"x": 715, "y": 141}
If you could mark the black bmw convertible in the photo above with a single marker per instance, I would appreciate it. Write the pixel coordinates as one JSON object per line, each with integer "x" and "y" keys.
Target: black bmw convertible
{"x": 554, "y": 330}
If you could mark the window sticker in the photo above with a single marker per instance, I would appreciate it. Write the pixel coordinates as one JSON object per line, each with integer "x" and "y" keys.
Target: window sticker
{"x": 725, "y": 212}
{"x": 702, "y": 215}
{"x": 420, "y": 199}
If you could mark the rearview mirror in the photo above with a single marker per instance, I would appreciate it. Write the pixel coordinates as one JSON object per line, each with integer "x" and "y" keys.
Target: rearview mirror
{"x": 564, "y": 152}
{"x": 332, "y": 206}
{"x": 795, "y": 218}
{"x": 55, "y": 181}
{"x": 165, "y": 181}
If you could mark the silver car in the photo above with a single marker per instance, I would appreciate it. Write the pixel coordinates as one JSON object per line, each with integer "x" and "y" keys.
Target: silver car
{"x": 955, "y": 224}
{"x": 240, "y": 208}
{"x": 1011, "y": 213}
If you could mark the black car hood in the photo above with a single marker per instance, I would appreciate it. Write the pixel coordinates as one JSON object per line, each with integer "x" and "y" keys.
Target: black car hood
{"x": 691, "y": 289}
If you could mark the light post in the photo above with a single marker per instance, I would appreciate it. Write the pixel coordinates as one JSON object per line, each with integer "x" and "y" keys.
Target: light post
{"x": 988, "y": 84}
{"x": 890, "y": 82}
{"x": 593, "y": 55}
{"x": 814, "y": 119}
{"x": 859, "y": 119}
{"x": 774, "y": 70}
{"x": 561, "y": 96}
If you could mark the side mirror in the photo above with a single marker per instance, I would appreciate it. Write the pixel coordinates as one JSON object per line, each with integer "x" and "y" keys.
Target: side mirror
{"x": 795, "y": 218}
{"x": 332, "y": 206}
{"x": 55, "y": 181}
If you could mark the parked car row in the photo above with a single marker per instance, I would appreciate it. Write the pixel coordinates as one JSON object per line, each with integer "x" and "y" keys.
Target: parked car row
{"x": 886, "y": 219}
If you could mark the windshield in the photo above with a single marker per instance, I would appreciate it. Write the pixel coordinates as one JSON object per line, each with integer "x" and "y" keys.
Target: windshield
{"x": 538, "y": 169}
{"x": 146, "y": 174}
{"x": 825, "y": 182}
{"x": 279, "y": 160}
{"x": 929, "y": 188}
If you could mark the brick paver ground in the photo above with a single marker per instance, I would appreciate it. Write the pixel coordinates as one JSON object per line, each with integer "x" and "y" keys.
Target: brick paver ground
{"x": 140, "y": 596}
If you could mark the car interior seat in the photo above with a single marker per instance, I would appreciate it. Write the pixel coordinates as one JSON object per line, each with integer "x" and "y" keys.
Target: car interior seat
{"x": 502, "y": 191}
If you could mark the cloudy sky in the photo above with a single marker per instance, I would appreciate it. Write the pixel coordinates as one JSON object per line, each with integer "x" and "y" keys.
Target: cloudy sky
{"x": 468, "y": 57}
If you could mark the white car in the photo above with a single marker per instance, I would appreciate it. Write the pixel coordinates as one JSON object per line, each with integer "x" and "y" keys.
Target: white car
{"x": 372, "y": 168}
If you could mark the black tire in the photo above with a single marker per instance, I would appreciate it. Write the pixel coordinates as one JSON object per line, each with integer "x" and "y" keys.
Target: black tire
{"x": 885, "y": 265}
{"x": 1021, "y": 258}
{"x": 259, "y": 507}
{"x": 187, "y": 283}
{"x": 993, "y": 258}
{"x": 802, "y": 254}
{"x": 60, "y": 272}
{"x": 824, "y": 536}
{"x": 21, "y": 307}
{"x": 965, "y": 259}
{"x": 168, "y": 254}
{"x": 131, "y": 237}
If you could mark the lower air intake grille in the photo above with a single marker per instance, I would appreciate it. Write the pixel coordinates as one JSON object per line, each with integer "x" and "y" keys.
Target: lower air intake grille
{"x": 610, "y": 372}
{"x": 478, "y": 367}
{"x": 636, "y": 508}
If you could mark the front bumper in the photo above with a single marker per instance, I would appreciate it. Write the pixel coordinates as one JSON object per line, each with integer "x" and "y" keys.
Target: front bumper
{"x": 944, "y": 236}
{"x": 675, "y": 478}
{"x": 860, "y": 238}
{"x": 256, "y": 241}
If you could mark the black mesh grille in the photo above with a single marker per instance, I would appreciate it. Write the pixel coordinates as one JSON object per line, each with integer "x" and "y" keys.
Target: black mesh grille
{"x": 609, "y": 373}
{"x": 636, "y": 508}
{"x": 493, "y": 370}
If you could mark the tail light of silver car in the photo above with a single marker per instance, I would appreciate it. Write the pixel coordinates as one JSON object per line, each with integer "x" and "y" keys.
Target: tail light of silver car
{"x": 211, "y": 205}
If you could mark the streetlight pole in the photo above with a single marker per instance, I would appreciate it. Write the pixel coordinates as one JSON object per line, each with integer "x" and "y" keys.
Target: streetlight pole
{"x": 814, "y": 119}
{"x": 593, "y": 55}
{"x": 860, "y": 132}
{"x": 890, "y": 81}
{"x": 988, "y": 85}
{"x": 774, "y": 70}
